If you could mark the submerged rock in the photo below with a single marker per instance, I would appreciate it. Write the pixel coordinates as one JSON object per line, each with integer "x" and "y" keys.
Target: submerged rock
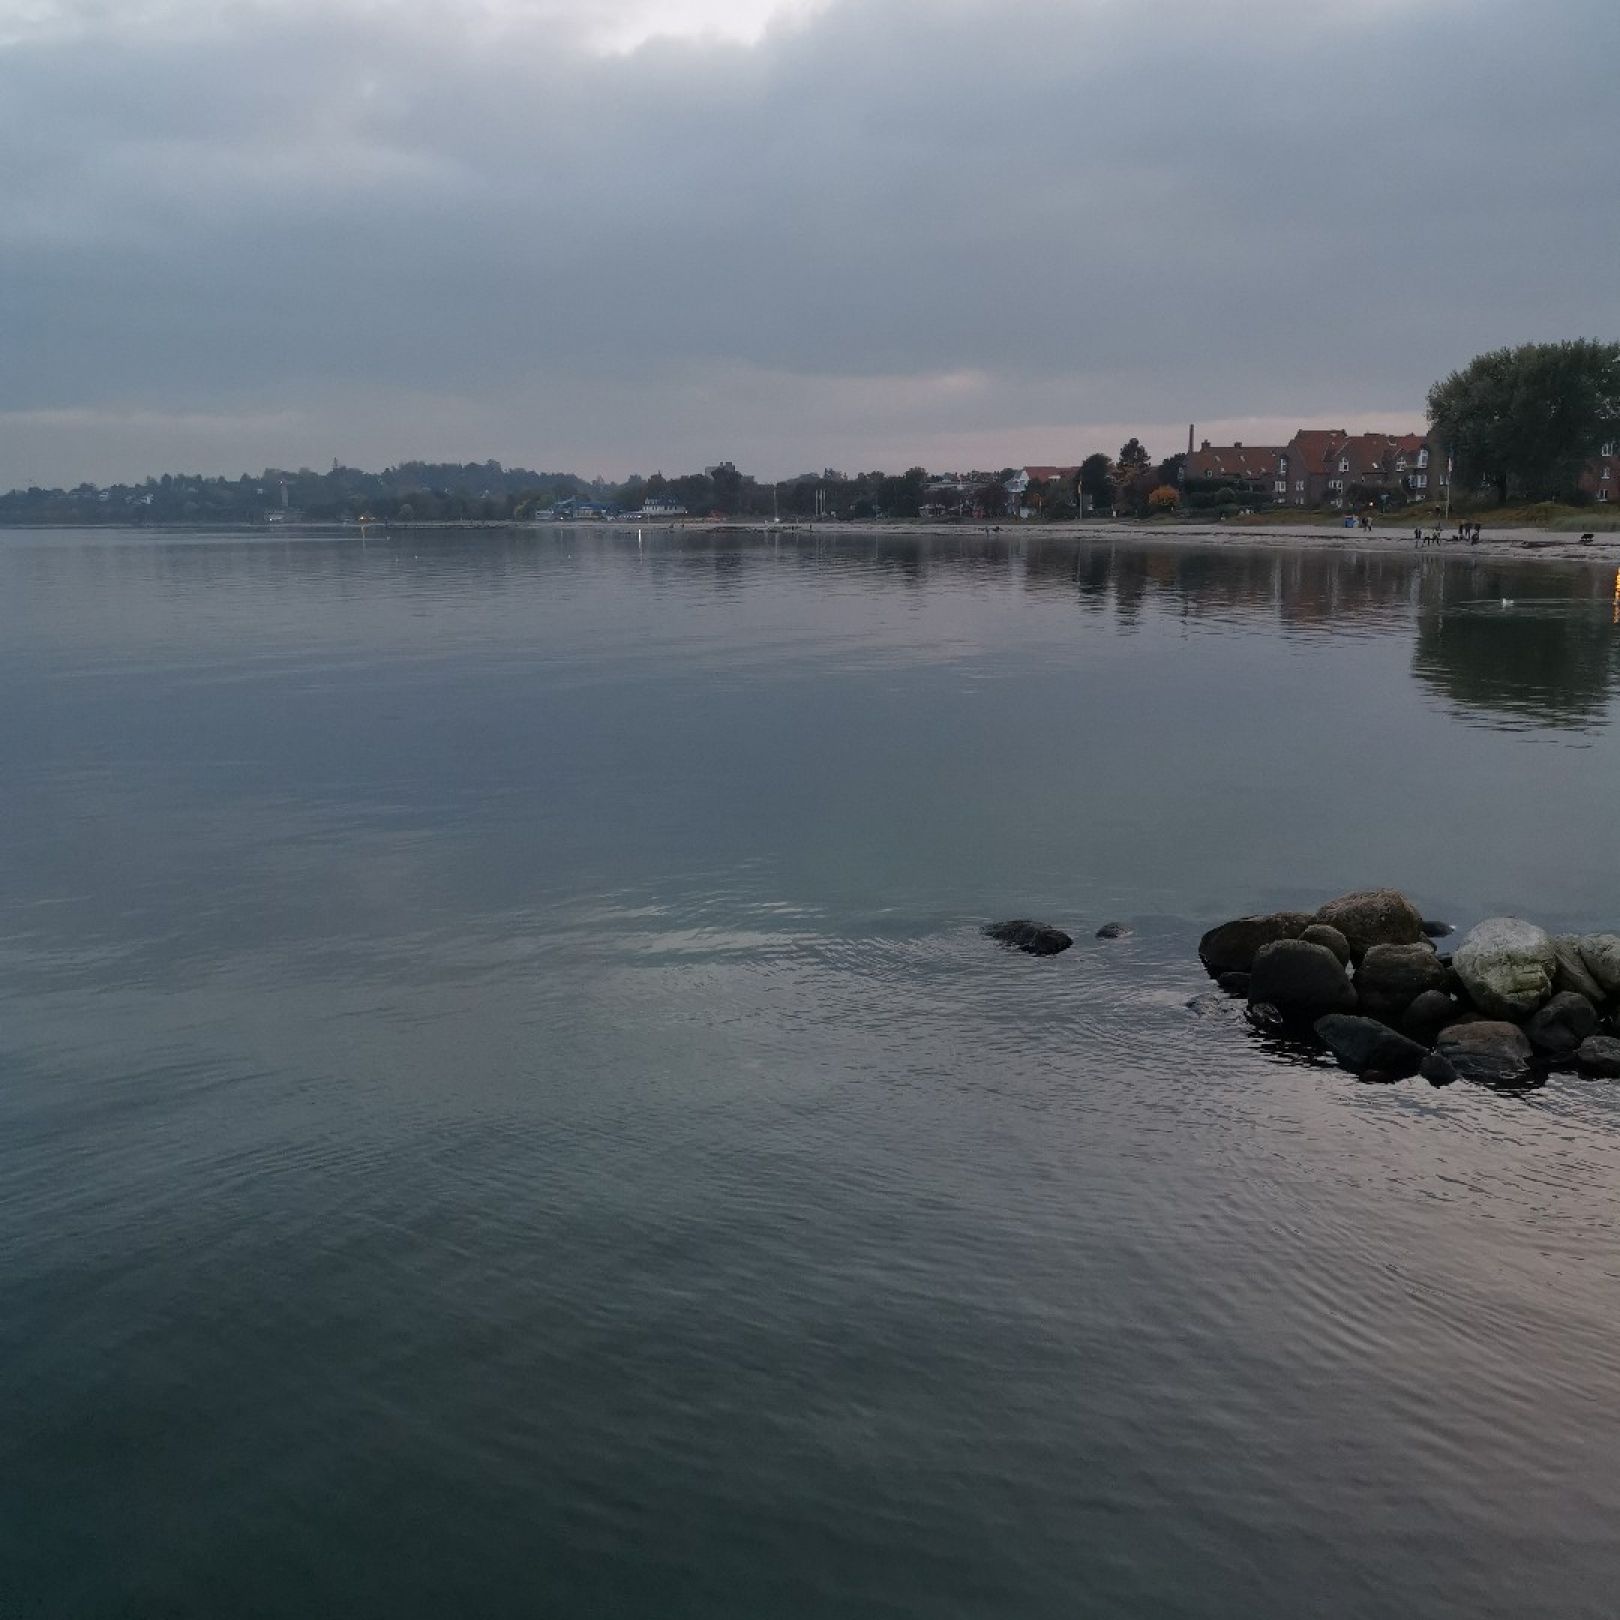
{"x": 1301, "y": 979}
{"x": 1437, "y": 1070}
{"x": 1112, "y": 931}
{"x": 1231, "y": 947}
{"x": 1507, "y": 966}
{"x": 1266, "y": 1018}
{"x": 1488, "y": 1051}
{"x": 1363, "y": 1044}
{"x": 1373, "y": 917}
{"x": 1434, "y": 929}
{"x": 1323, "y": 934}
{"x": 1234, "y": 984}
{"x": 1038, "y": 939}
{"x": 1562, "y": 1024}
{"x": 1392, "y": 977}
{"x": 1599, "y": 1055}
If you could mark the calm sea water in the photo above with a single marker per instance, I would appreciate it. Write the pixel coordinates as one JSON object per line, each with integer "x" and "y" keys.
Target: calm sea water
{"x": 505, "y": 1110}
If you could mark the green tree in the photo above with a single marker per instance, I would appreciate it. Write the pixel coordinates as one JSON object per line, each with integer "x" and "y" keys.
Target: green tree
{"x": 1133, "y": 458}
{"x": 1097, "y": 481}
{"x": 728, "y": 484}
{"x": 1524, "y": 420}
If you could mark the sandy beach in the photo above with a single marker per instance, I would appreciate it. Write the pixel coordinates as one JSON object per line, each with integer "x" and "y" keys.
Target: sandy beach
{"x": 1506, "y": 545}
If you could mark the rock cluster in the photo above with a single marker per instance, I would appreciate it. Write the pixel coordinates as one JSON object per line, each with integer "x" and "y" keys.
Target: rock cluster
{"x": 1038, "y": 939}
{"x": 1363, "y": 977}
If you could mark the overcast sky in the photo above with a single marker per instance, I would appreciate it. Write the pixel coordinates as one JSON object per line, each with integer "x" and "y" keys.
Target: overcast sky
{"x": 622, "y": 235}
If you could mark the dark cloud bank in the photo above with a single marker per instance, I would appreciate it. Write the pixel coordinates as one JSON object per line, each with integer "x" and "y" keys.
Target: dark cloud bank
{"x": 903, "y": 229}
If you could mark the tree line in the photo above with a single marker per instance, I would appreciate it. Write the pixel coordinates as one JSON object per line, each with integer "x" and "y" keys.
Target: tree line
{"x": 1520, "y": 424}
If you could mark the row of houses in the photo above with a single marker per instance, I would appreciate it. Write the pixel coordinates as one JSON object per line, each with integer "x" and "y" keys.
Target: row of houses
{"x": 985, "y": 495}
{"x": 1329, "y": 467}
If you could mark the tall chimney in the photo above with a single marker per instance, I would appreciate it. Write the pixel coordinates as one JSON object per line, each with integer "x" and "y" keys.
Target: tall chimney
{"x": 1189, "y": 437}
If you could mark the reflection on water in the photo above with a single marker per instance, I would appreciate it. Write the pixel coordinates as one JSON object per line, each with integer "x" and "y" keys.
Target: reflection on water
{"x": 505, "y": 1108}
{"x": 1535, "y": 659}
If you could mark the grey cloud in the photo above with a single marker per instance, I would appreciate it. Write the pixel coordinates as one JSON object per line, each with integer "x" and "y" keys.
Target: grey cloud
{"x": 1107, "y": 213}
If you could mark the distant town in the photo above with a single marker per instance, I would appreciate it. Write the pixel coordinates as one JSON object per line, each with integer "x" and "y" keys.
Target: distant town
{"x": 1537, "y": 423}
{"x": 1316, "y": 470}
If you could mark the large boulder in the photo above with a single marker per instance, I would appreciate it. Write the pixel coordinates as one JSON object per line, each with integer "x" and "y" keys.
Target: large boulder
{"x": 1601, "y": 954}
{"x": 1363, "y": 1044}
{"x": 1506, "y": 965}
{"x": 1392, "y": 977}
{"x": 1562, "y": 1024}
{"x": 1321, "y": 934}
{"x": 1428, "y": 1015}
{"x": 1300, "y": 980}
{"x": 1373, "y": 917}
{"x": 1570, "y": 971}
{"x": 1488, "y": 1051}
{"x": 1231, "y": 947}
{"x": 1599, "y": 1055}
{"x": 1038, "y": 939}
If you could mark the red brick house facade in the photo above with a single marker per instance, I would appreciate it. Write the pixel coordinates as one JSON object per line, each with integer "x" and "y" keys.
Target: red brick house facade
{"x": 1329, "y": 467}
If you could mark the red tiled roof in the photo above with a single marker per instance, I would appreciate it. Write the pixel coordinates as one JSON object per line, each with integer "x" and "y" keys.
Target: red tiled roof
{"x": 1234, "y": 461}
{"x": 1044, "y": 475}
{"x": 1315, "y": 445}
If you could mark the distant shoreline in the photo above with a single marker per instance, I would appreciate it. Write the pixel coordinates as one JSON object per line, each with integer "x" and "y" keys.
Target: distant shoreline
{"x": 1505, "y": 545}
{"x": 1508, "y": 545}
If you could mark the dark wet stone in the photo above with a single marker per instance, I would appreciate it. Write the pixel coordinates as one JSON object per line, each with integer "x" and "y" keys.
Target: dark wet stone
{"x": 1322, "y": 934}
{"x": 1428, "y": 1015}
{"x": 1231, "y": 947}
{"x": 1437, "y": 1070}
{"x": 1488, "y": 1051}
{"x": 1599, "y": 1055}
{"x": 1266, "y": 1017}
{"x": 1437, "y": 930}
{"x": 1038, "y": 939}
{"x": 1234, "y": 984}
{"x": 1392, "y": 977}
{"x": 1301, "y": 980}
{"x": 1373, "y": 917}
{"x": 1112, "y": 931}
{"x": 1562, "y": 1024}
{"x": 1363, "y": 1044}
